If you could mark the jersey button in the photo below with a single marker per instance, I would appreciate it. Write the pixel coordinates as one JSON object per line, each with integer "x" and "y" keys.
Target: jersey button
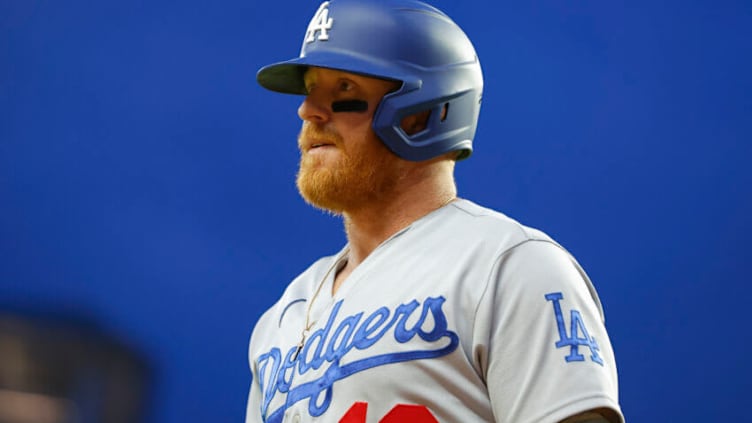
{"x": 296, "y": 418}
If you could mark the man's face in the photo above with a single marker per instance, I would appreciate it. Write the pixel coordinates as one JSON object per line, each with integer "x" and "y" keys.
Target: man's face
{"x": 343, "y": 164}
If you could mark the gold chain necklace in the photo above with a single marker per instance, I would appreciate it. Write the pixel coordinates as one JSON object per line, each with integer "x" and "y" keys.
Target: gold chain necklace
{"x": 308, "y": 323}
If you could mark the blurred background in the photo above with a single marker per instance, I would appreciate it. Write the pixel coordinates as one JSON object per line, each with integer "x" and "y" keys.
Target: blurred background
{"x": 148, "y": 212}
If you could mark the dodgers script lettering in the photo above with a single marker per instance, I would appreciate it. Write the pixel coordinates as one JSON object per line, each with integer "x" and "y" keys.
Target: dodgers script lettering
{"x": 328, "y": 345}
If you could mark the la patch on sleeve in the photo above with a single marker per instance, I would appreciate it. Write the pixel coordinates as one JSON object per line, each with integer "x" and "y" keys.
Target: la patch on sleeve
{"x": 578, "y": 335}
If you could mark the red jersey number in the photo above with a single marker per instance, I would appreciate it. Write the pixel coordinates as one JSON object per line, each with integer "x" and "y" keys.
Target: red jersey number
{"x": 399, "y": 414}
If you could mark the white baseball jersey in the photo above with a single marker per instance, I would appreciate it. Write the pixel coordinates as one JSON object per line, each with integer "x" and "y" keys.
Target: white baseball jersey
{"x": 464, "y": 316}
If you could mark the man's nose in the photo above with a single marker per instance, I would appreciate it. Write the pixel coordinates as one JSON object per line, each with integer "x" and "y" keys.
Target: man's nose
{"x": 314, "y": 109}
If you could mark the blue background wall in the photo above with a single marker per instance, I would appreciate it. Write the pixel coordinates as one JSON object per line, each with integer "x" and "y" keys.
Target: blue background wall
{"x": 147, "y": 183}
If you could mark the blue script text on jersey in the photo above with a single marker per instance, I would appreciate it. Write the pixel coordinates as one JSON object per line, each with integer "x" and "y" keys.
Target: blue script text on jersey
{"x": 324, "y": 346}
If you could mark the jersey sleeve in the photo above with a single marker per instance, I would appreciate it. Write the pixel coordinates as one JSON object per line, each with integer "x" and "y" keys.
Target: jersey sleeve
{"x": 255, "y": 395}
{"x": 253, "y": 407}
{"x": 542, "y": 342}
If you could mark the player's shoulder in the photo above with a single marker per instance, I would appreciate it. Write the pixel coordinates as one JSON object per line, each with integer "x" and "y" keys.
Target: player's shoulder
{"x": 527, "y": 259}
{"x": 484, "y": 218}
{"x": 512, "y": 237}
{"x": 483, "y": 222}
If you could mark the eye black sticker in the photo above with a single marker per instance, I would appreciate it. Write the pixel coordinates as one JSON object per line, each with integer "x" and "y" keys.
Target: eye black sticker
{"x": 359, "y": 106}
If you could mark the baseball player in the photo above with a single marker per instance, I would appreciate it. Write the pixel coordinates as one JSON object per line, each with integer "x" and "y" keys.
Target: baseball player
{"x": 436, "y": 309}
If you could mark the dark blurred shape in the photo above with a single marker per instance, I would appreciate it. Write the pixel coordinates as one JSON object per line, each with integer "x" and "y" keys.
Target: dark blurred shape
{"x": 56, "y": 370}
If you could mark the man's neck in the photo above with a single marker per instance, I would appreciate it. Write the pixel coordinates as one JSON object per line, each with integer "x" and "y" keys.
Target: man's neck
{"x": 369, "y": 226}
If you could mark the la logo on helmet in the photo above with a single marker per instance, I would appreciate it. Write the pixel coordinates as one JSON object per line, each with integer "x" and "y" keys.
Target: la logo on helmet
{"x": 320, "y": 23}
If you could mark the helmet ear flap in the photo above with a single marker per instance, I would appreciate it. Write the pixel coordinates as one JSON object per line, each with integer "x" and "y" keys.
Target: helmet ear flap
{"x": 449, "y": 124}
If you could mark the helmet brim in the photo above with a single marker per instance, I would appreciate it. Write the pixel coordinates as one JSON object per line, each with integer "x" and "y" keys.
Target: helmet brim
{"x": 283, "y": 77}
{"x": 287, "y": 77}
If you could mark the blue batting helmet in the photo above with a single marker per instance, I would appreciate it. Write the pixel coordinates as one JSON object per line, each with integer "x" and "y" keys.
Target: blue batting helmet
{"x": 404, "y": 40}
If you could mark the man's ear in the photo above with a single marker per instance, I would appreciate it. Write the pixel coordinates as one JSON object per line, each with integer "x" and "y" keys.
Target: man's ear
{"x": 415, "y": 123}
